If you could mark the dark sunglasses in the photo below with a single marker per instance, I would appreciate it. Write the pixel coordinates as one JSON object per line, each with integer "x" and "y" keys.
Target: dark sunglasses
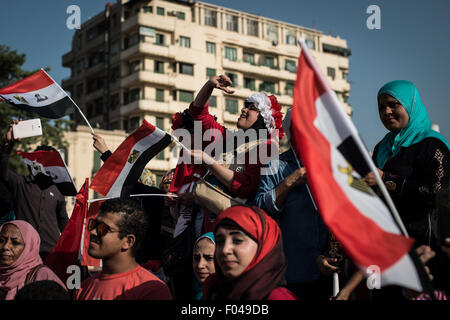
{"x": 101, "y": 227}
{"x": 250, "y": 106}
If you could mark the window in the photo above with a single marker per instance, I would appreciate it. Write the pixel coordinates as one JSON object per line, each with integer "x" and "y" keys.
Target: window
{"x": 80, "y": 65}
{"x": 249, "y": 83}
{"x": 267, "y": 86}
{"x": 159, "y": 39}
{"x": 269, "y": 62}
{"x": 252, "y": 28}
{"x": 231, "y": 22}
{"x": 213, "y": 101}
{"x": 99, "y": 106}
{"x": 289, "y": 89}
{"x": 181, "y": 15}
{"x": 115, "y": 74}
{"x": 134, "y": 66}
{"x": 134, "y": 94}
{"x": 159, "y": 66}
{"x": 115, "y": 48}
{"x": 345, "y": 98}
{"x": 211, "y": 18}
{"x": 79, "y": 90}
{"x": 148, "y": 9}
{"x": 131, "y": 41}
{"x": 230, "y": 53}
{"x": 185, "y": 42}
{"x": 272, "y": 32}
{"x": 134, "y": 123}
{"x": 331, "y": 72}
{"x": 159, "y": 95}
{"x": 233, "y": 77}
{"x": 187, "y": 68}
{"x": 210, "y": 72}
{"x": 231, "y": 105}
{"x": 310, "y": 41}
{"x": 210, "y": 47}
{"x": 185, "y": 96}
{"x": 344, "y": 75}
{"x": 249, "y": 58}
{"x": 160, "y": 11}
{"x": 290, "y": 66}
{"x": 291, "y": 37}
{"x": 160, "y": 123}
{"x": 115, "y": 101}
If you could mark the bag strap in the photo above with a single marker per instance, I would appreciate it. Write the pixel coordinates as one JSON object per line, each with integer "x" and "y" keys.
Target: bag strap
{"x": 31, "y": 276}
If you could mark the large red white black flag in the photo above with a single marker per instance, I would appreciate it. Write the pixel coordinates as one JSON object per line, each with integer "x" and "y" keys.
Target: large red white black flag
{"x": 50, "y": 163}
{"x": 38, "y": 93}
{"x": 330, "y": 149}
{"x": 123, "y": 168}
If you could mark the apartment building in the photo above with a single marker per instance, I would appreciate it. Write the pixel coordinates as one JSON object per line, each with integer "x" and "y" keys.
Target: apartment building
{"x": 141, "y": 60}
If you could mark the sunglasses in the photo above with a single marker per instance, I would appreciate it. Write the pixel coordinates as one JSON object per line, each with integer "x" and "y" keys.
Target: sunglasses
{"x": 101, "y": 227}
{"x": 250, "y": 106}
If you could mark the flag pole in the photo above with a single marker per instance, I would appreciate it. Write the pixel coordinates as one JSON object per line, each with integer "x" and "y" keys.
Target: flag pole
{"x": 92, "y": 130}
{"x": 360, "y": 145}
{"x": 137, "y": 195}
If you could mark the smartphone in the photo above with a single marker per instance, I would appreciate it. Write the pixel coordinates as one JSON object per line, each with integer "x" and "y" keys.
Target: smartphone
{"x": 27, "y": 128}
{"x": 443, "y": 215}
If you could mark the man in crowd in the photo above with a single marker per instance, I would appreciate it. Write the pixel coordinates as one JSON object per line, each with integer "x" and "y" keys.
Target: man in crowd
{"x": 35, "y": 199}
{"x": 115, "y": 236}
{"x": 283, "y": 194}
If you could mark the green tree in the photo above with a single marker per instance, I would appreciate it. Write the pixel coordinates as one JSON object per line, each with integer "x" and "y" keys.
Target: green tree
{"x": 53, "y": 130}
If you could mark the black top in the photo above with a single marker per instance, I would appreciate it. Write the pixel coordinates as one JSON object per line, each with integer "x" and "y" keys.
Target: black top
{"x": 42, "y": 207}
{"x": 414, "y": 177}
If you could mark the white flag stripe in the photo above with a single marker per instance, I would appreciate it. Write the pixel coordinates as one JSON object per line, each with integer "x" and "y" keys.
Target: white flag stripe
{"x": 38, "y": 98}
{"x": 369, "y": 205}
{"x": 403, "y": 273}
{"x": 57, "y": 173}
{"x": 141, "y": 146}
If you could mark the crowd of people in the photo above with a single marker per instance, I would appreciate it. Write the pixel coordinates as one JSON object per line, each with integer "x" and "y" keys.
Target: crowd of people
{"x": 249, "y": 236}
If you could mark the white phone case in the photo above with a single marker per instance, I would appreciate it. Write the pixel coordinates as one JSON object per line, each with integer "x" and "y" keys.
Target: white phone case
{"x": 27, "y": 128}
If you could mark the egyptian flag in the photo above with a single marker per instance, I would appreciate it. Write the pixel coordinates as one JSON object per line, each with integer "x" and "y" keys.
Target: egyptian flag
{"x": 117, "y": 176}
{"x": 38, "y": 93}
{"x": 67, "y": 249}
{"x": 336, "y": 159}
{"x": 50, "y": 163}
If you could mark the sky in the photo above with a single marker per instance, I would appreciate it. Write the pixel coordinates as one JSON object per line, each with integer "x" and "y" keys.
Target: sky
{"x": 412, "y": 44}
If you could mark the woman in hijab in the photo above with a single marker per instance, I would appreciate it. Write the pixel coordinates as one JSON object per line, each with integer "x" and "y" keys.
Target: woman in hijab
{"x": 250, "y": 263}
{"x": 413, "y": 159}
{"x": 19, "y": 259}
{"x": 203, "y": 262}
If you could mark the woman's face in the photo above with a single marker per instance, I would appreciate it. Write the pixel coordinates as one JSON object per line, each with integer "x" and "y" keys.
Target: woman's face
{"x": 11, "y": 245}
{"x": 203, "y": 259}
{"x": 234, "y": 251}
{"x": 248, "y": 117}
{"x": 392, "y": 114}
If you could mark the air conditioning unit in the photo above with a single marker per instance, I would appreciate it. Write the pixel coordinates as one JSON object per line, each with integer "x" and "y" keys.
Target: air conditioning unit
{"x": 274, "y": 42}
{"x": 172, "y": 13}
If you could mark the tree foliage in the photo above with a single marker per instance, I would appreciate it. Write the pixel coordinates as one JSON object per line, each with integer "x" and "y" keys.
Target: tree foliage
{"x": 11, "y": 71}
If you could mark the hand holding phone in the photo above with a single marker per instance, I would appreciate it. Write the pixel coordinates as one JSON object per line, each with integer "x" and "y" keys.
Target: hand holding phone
{"x": 27, "y": 128}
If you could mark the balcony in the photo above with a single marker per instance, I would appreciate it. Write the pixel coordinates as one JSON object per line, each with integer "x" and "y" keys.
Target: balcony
{"x": 245, "y": 67}
{"x": 153, "y": 21}
{"x": 67, "y": 59}
{"x": 150, "y": 77}
{"x": 148, "y": 48}
{"x": 144, "y": 105}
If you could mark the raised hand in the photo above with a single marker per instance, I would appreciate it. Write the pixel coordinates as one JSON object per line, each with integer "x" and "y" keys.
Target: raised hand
{"x": 222, "y": 82}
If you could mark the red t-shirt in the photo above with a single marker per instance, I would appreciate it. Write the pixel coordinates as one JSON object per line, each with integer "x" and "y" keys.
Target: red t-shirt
{"x": 137, "y": 284}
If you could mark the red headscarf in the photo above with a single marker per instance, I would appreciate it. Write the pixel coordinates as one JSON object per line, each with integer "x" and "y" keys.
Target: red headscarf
{"x": 267, "y": 269}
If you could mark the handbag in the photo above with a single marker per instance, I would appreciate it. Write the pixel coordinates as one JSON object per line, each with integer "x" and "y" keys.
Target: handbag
{"x": 178, "y": 253}
{"x": 213, "y": 198}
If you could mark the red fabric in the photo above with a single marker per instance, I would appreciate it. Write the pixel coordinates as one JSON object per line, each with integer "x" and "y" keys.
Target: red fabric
{"x": 153, "y": 265}
{"x": 137, "y": 284}
{"x": 34, "y": 82}
{"x": 363, "y": 239}
{"x": 281, "y": 293}
{"x": 46, "y": 158}
{"x": 67, "y": 248}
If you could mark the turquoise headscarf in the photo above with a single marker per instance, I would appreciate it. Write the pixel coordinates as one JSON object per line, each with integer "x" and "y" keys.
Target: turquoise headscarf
{"x": 418, "y": 127}
{"x": 198, "y": 288}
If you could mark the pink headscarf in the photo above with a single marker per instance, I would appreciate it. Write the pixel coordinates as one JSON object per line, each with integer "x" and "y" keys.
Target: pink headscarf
{"x": 12, "y": 277}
